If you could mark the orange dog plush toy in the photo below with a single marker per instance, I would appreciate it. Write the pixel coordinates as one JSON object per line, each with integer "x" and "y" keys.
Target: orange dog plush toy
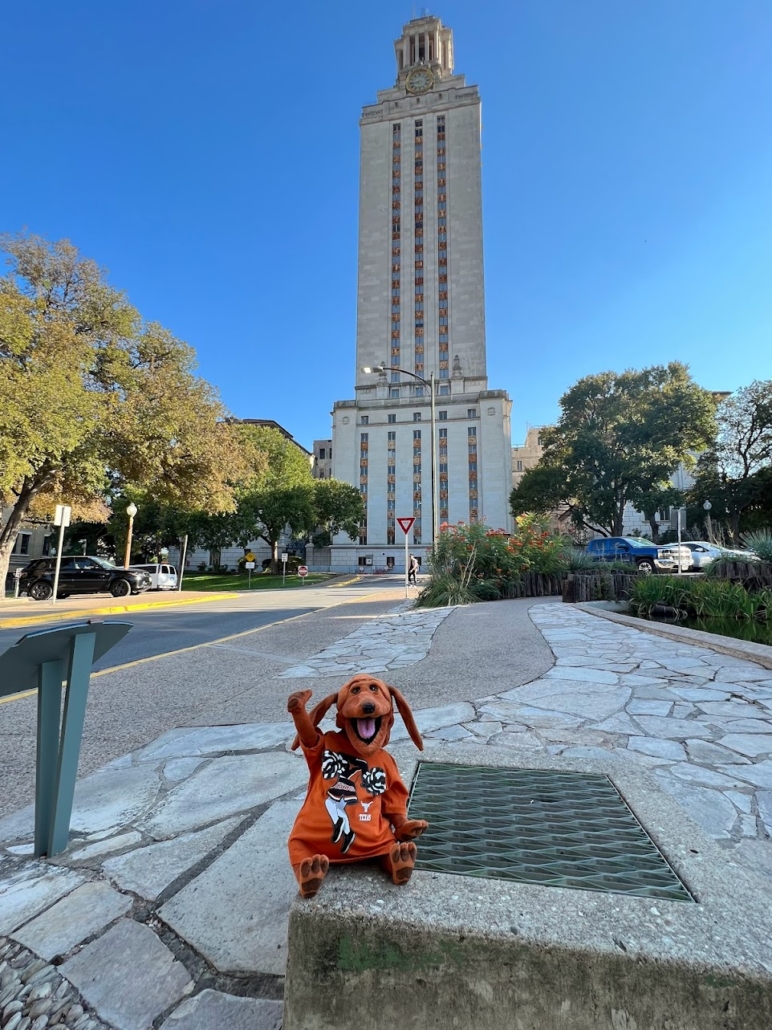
{"x": 356, "y": 805}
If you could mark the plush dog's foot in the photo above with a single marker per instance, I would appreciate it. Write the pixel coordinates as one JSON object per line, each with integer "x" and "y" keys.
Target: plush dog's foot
{"x": 401, "y": 861}
{"x": 311, "y": 874}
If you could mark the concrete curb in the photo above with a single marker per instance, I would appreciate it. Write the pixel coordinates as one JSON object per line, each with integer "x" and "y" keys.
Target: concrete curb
{"x": 758, "y": 653}
{"x": 33, "y": 620}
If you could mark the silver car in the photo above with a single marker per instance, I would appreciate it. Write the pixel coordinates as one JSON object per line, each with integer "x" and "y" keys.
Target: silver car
{"x": 704, "y": 553}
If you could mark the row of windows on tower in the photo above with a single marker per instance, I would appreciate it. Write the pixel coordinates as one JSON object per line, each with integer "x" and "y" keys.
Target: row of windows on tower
{"x": 442, "y": 415}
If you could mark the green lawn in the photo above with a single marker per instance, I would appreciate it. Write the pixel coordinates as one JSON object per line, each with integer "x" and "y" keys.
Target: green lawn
{"x": 197, "y": 581}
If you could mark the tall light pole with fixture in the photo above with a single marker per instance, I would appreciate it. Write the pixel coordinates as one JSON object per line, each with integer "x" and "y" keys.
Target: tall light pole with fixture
{"x": 131, "y": 511}
{"x": 707, "y": 506}
{"x": 430, "y": 384}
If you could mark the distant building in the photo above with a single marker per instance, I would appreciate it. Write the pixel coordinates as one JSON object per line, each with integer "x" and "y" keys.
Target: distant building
{"x": 322, "y": 459}
{"x": 35, "y": 539}
{"x": 525, "y": 457}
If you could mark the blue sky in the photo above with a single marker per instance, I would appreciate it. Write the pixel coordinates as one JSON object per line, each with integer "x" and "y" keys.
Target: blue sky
{"x": 206, "y": 153}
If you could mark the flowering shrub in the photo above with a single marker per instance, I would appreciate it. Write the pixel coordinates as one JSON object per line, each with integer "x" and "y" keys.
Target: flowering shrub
{"x": 472, "y": 562}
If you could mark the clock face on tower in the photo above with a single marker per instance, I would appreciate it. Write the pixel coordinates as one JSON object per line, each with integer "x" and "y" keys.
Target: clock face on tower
{"x": 420, "y": 80}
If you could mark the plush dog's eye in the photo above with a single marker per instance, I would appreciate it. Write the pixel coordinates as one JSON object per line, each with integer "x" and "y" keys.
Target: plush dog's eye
{"x": 355, "y": 690}
{"x": 374, "y": 688}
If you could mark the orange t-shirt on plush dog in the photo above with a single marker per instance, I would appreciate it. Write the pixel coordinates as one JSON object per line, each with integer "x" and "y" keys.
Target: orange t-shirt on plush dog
{"x": 351, "y": 803}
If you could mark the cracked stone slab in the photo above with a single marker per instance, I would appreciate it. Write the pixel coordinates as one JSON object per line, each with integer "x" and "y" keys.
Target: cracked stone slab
{"x": 429, "y": 720}
{"x": 669, "y": 750}
{"x": 212, "y": 1010}
{"x": 235, "y": 913}
{"x": 198, "y": 741}
{"x": 105, "y": 847}
{"x": 708, "y": 807}
{"x": 80, "y": 914}
{"x": 750, "y": 744}
{"x": 128, "y": 976}
{"x": 104, "y": 801}
{"x": 225, "y": 787}
{"x": 26, "y": 893}
{"x": 150, "y": 870}
{"x": 679, "y": 729}
{"x": 760, "y": 775}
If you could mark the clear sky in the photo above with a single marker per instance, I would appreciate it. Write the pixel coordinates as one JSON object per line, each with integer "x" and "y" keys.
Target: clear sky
{"x": 206, "y": 153}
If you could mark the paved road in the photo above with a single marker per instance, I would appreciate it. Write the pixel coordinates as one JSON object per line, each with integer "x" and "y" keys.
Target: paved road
{"x": 160, "y": 632}
{"x": 164, "y": 630}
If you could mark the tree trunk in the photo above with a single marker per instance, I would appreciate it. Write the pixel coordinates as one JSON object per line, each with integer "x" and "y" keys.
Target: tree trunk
{"x": 619, "y": 515}
{"x": 734, "y": 522}
{"x": 654, "y": 527}
{"x": 275, "y": 557}
{"x": 9, "y": 531}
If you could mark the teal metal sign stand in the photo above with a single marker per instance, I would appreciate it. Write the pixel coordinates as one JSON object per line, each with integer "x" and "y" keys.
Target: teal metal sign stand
{"x": 45, "y": 661}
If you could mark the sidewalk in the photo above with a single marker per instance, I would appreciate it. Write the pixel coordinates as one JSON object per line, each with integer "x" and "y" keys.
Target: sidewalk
{"x": 170, "y": 904}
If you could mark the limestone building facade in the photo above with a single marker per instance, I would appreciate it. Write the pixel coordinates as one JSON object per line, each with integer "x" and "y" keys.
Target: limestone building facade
{"x": 421, "y": 317}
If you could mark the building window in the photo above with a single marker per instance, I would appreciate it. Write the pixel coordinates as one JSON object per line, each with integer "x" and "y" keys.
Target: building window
{"x": 391, "y": 418}
{"x": 21, "y": 545}
{"x": 471, "y": 412}
{"x": 365, "y": 420}
{"x": 471, "y": 431}
{"x": 444, "y": 391}
{"x": 416, "y": 416}
{"x": 519, "y": 466}
{"x": 416, "y": 434}
{"x": 394, "y": 392}
{"x": 443, "y": 434}
{"x": 442, "y": 416}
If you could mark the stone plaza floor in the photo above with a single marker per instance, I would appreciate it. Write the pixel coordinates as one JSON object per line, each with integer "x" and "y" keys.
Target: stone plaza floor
{"x": 170, "y": 905}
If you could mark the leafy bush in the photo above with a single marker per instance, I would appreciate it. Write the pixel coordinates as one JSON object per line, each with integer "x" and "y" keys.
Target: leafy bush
{"x": 707, "y": 598}
{"x": 760, "y": 542}
{"x": 473, "y": 563}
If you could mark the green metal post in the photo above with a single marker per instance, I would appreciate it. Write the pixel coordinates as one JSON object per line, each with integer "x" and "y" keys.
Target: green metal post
{"x": 79, "y": 673}
{"x": 51, "y": 676}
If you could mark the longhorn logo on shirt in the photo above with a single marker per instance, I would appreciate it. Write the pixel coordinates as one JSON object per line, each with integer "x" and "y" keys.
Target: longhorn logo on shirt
{"x": 342, "y": 793}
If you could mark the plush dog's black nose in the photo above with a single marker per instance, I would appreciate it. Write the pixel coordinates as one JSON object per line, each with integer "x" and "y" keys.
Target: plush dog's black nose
{"x": 368, "y": 708}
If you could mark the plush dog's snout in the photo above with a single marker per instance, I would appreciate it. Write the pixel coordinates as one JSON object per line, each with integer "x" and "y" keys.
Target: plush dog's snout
{"x": 368, "y": 708}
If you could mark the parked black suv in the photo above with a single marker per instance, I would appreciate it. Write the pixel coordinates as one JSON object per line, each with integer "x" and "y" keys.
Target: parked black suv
{"x": 81, "y": 575}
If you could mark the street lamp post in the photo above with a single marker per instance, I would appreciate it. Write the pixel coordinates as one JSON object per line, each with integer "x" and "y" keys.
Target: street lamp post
{"x": 707, "y": 506}
{"x": 430, "y": 384}
{"x": 131, "y": 511}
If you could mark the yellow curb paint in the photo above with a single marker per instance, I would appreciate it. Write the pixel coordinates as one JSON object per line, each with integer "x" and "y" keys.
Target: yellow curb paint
{"x": 33, "y": 620}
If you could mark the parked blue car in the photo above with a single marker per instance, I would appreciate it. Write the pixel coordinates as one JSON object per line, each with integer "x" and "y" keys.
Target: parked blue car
{"x": 646, "y": 556}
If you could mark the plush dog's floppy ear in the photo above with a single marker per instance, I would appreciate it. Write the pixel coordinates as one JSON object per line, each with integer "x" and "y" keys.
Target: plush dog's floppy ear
{"x": 317, "y": 713}
{"x": 407, "y": 717}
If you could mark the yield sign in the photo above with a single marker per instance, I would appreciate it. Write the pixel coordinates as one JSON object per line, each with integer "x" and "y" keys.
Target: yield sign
{"x": 406, "y": 524}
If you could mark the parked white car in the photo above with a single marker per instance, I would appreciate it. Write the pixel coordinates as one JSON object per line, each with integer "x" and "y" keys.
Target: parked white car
{"x": 682, "y": 557}
{"x": 162, "y": 575}
{"x": 704, "y": 553}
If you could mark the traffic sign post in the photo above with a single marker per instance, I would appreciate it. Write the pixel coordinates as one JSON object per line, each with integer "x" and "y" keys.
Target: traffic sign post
{"x": 284, "y": 558}
{"x": 406, "y": 524}
{"x": 62, "y": 520}
{"x": 303, "y": 572}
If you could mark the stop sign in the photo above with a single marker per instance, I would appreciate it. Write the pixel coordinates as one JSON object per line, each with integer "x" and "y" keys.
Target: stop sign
{"x": 303, "y": 571}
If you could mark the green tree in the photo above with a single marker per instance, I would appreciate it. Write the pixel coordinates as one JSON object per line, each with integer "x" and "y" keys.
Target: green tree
{"x": 93, "y": 400}
{"x": 619, "y": 439}
{"x": 338, "y": 509}
{"x": 283, "y": 495}
{"x": 734, "y": 474}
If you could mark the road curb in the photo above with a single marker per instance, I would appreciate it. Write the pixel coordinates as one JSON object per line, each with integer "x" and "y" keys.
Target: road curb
{"x": 33, "y": 620}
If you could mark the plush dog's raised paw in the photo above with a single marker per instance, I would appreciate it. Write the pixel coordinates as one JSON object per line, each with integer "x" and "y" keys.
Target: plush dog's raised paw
{"x": 402, "y": 859}
{"x": 298, "y": 700}
{"x": 311, "y": 874}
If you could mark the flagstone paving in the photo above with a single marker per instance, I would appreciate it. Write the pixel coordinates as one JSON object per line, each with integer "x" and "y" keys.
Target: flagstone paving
{"x": 176, "y": 880}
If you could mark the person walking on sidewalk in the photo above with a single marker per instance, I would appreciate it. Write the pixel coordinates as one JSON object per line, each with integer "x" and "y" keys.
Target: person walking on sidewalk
{"x": 412, "y": 570}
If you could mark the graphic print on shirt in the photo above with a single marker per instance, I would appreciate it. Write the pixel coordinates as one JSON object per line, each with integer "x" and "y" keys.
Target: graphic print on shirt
{"x": 342, "y": 793}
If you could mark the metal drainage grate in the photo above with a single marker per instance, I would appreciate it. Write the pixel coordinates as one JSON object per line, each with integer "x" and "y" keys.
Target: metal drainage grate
{"x": 558, "y": 829}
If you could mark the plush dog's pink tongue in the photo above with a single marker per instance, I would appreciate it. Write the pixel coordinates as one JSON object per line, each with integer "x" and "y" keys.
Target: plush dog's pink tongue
{"x": 366, "y": 728}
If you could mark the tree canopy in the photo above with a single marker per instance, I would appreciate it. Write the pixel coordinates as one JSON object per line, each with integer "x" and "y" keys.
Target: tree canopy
{"x": 735, "y": 474}
{"x": 94, "y": 400}
{"x": 619, "y": 439}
